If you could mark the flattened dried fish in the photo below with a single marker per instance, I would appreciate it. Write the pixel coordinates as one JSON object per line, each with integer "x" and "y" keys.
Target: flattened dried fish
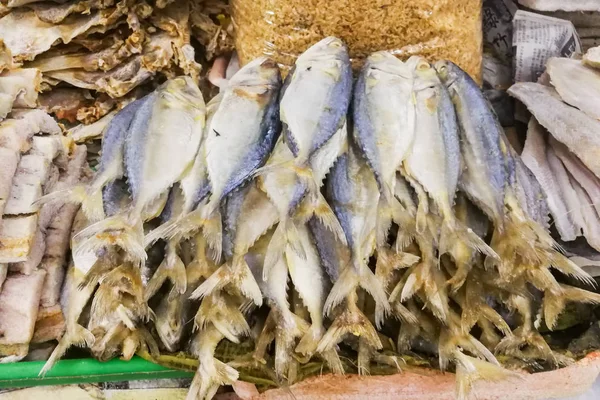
{"x": 575, "y": 129}
{"x": 577, "y": 84}
{"x": 592, "y": 57}
{"x": 534, "y": 156}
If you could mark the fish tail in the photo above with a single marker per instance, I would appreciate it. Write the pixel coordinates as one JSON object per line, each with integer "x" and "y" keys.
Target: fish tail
{"x": 568, "y": 267}
{"x": 78, "y": 336}
{"x": 210, "y": 375}
{"x": 237, "y": 273}
{"x": 350, "y": 321}
{"x": 347, "y": 283}
{"x": 332, "y": 358}
{"x": 555, "y": 301}
{"x": 171, "y": 268}
{"x": 389, "y": 261}
{"x": 319, "y": 205}
{"x": 470, "y": 369}
{"x": 285, "y": 234}
{"x": 404, "y": 313}
{"x": 92, "y": 205}
{"x": 234, "y": 327}
{"x": 453, "y": 230}
{"x": 285, "y": 339}
{"x": 120, "y": 230}
{"x": 213, "y": 231}
{"x": 90, "y": 198}
{"x": 309, "y": 342}
{"x": 384, "y": 220}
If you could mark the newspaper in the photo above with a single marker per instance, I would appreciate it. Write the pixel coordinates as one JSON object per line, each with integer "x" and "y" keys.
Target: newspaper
{"x": 536, "y": 38}
{"x": 497, "y": 27}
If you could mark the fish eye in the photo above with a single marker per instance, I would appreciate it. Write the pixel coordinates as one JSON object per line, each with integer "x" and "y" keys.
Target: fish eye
{"x": 336, "y": 43}
{"x": 423, "y": 66}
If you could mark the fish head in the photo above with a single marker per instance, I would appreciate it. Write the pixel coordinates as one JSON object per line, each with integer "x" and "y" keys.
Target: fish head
{"x": 448, "y": 72}
{"x": 261, "y": 72}
{"x": 182, "y": 91}
{"x": 386, "y": 62}
{"x": 425, "y": 74}
{"x": 328, "y": 49}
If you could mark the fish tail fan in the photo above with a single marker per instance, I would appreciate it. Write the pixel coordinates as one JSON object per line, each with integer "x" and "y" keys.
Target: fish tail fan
{"x": 215, "y": 282}
{"x": 319, "y": 205}
{"x": 404, "y": 314}
{"x": 369, "y": 282}
{"x": 92, "y": 205}
{"x": 171, "y": 268}
{"x": 119, "y": 230}
{"x": 554, "y": 302}
{"x": 350, "y": 321}
{"x": 247, "y": 283}
{"x": 286, "y": 233}
{"x": 453, "y": 230}
{"x": 93, "y": 276}
{"x": 568, "y": 267}
{"x": 470, "y": 369}
{"x": 346, "y": 284}
{"x": 309, "y": 342}
{"x": 388, "y": 261}
{"x": 78, "y": 336}
{"x": 334, "y": 363}
{"x": 293, "y": 327}
{"x": 234, "y": 327}
{"x": 213, "y": 232}
{"x": 210, "y": 375}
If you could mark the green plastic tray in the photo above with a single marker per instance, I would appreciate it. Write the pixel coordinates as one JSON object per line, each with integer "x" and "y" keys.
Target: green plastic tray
{"x": 86, "y": 370}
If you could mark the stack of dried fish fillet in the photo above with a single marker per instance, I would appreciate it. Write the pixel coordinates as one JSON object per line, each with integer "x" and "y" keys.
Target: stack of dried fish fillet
{"x": 93, "y": 54}
{"x": 302, "y": 238}
{"x": 36, "y": 159}
{"x": 562, "y": 142}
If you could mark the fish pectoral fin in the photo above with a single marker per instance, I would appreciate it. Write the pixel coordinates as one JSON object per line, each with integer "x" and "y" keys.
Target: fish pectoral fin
{"x": 286, "y": 234}
{"x": 89, "y": 197}
{"x": 554, "y": 302}
{"x": 325, "y": 214}
{"x": 309, "y": 342}
{"x": 453, "y": 230}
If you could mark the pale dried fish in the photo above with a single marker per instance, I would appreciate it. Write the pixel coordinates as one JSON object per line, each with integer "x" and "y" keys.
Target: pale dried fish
{"x": 575, "y": 129}
{"x": 17, "y": 235}
{"x": 577, "y": 84}
{"x": 19, "y": 304}
{"x": 49, "y": 325}
{"x": 34, "y": 258}
{"x": 64, "y": 103}
{"x": 22, "y": 85}
{"x": 9, "y": 159}
{"x": 83, "y": 133}
{"x": 56, "y": 13}
{"x": 534, "y": 157}
{"x": 25, "y": 191}
{"x": 35, "y": 36}
{"x": 592, "y": 57}
{"x": 555, "y": 5}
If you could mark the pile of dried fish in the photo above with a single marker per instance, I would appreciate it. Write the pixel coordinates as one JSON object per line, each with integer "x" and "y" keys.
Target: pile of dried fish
{"x": 94, "y": 55}
{"x": 36, "y": 159}
{"x": 561, "y": 144}
{"x": 317, "y": 227}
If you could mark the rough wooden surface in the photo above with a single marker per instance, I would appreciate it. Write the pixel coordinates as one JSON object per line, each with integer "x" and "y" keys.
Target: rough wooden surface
{"x": 428, "y": 384}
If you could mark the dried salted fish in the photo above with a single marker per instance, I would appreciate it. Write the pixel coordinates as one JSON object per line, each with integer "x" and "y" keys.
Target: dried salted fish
{"x": 577, "y": 84}
{"x": 22, "y": 85}
{"x": 83, "y": 133}
{"x": 592, "y": 57}
{"x": 554, "y": 5}
{"x": 575, "y": 129}
{"x": 56, "y": 13}
{"x": 35, "y": 36}
{"x": 534, "y": 156}
{"x": 19, "y": 304}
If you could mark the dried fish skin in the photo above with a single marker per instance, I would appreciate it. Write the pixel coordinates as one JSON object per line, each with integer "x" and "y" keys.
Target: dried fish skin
{"x": 592, "y": 57}
{"x": 22, "y": 86}
{"x": 56, "y": 13}
{"x": 576, "y": 84}
{"x": 534, "y": 157}
{"x": 566, "y": 124}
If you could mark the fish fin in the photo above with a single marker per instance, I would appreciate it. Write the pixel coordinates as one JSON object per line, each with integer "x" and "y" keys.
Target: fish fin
{"x": 404, "y": 313}
{"x": 213, "y": 232}
{"x": 389, "y": 261}
{"x": 470, "y": 369}
{"x": 332, "y": 358}
{"x": 210, "y": 375}
{"x": 78, "y": 336}
{"x": 289, "y": 330}
{"x": 90, "y": 197}
{"x": 93, "y": 206}
{"x": 452, "y": 230}
{"x": 309, "y": 342}
{"x": 325, "y": 214}
{"x": 384, "y": 219}
{"x": 171, "y": 268}
{"x": 93, "y": 276}
{"x": 117, "y": 230}
{"x": 349, "y": 280}
{"x": 568, "y": 267}
{"x": 554, "y": 303}
{"x": 350, "y": 321}
{"x": 239, "y": 273}
{"x": 286, "y": 233}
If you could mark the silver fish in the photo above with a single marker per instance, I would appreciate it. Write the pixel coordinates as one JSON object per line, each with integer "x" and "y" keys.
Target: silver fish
{"x": 384, "y": 124}
{"x": 165, "y": 136}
